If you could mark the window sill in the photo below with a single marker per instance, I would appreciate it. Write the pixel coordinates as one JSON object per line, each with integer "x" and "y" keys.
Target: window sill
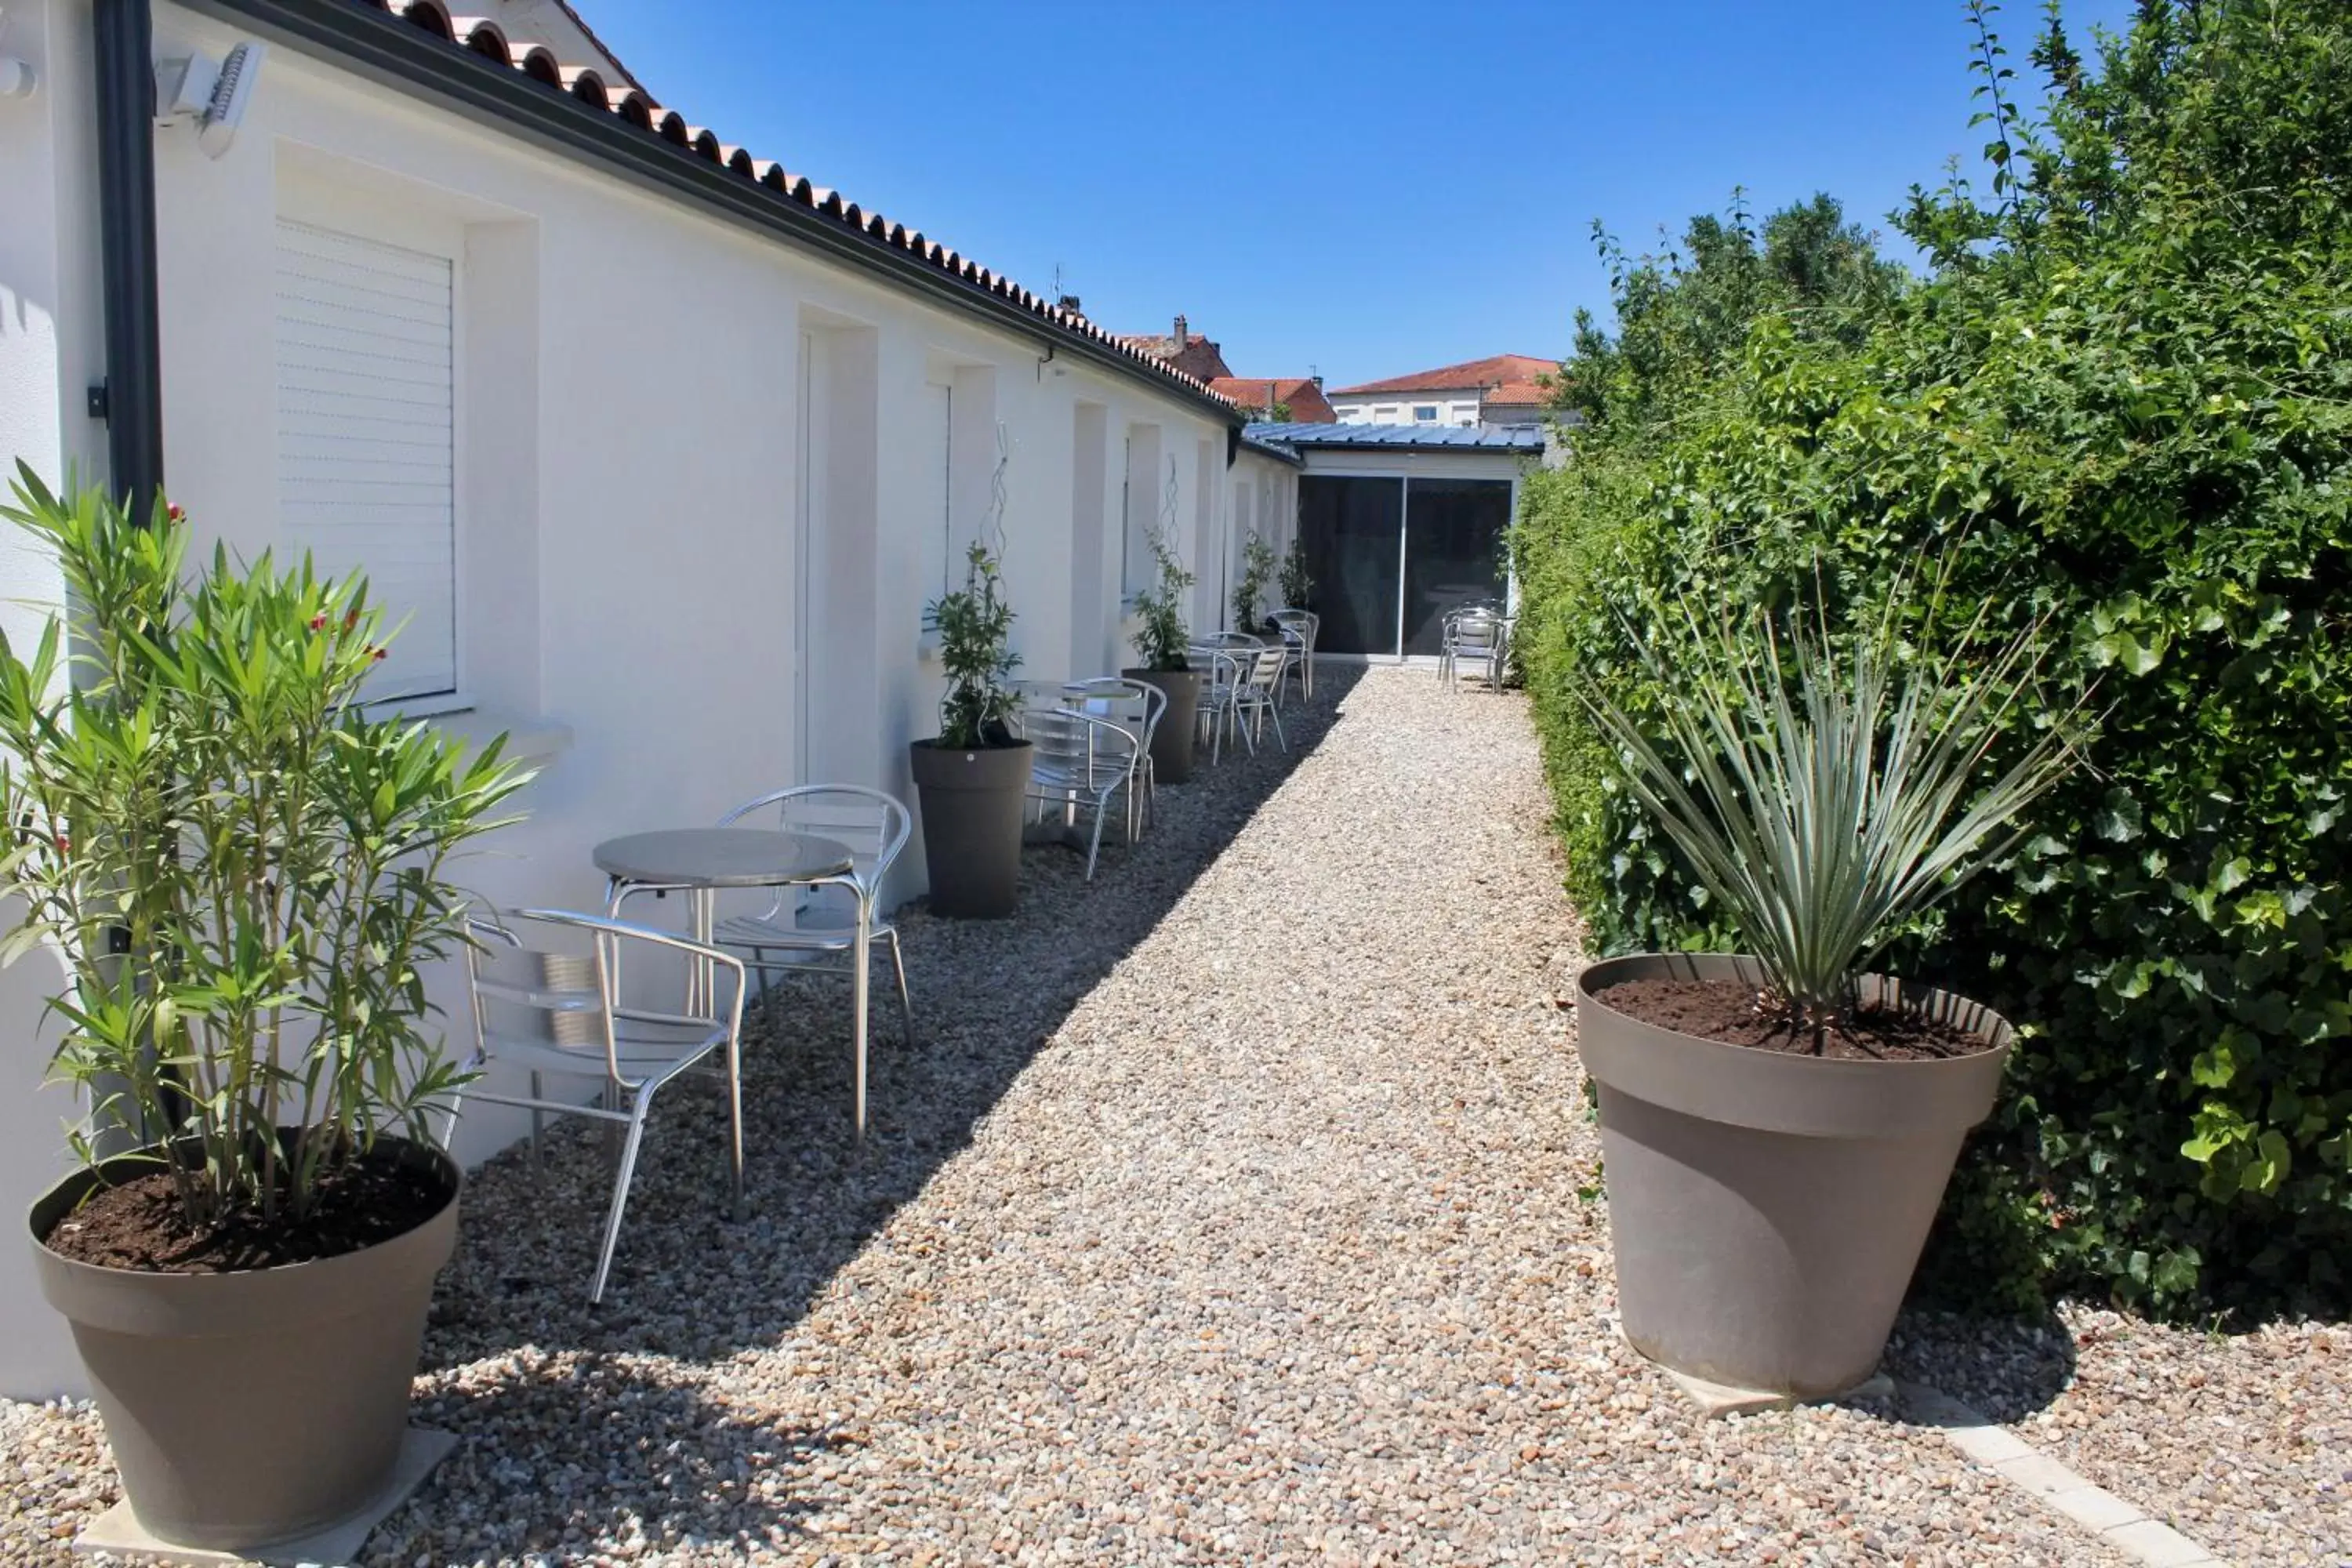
{"x": 528, "y": 739}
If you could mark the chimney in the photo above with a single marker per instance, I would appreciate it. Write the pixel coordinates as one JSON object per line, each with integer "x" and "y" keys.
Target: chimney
{"x": 1182, "y": 336}
{"x": 1318, "y": 383}
{"x": 1069, "y": 302}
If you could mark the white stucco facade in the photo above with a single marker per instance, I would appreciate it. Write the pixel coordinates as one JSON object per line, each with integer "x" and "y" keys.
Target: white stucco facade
{"x": 1448, "y": 409}
{"x": 704, "y": 480}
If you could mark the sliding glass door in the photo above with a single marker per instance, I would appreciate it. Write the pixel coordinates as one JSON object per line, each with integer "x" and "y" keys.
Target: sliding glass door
{"x": 1391, "y": 556}
{"x": 1454, "y": 553}
{"x": 1351, "y": 527}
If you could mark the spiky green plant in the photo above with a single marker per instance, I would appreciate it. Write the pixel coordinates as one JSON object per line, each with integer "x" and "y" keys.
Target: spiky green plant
{"x": 1825, "y": 820}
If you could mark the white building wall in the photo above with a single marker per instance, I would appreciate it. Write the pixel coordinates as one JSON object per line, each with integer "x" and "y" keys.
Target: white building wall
{"x": 1453, "y": 408}
{"x": 48, "y": 354}
{"x": 693, "y": 555}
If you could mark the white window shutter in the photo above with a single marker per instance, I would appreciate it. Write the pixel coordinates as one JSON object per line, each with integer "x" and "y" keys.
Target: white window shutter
{"x": 366, "y": 421}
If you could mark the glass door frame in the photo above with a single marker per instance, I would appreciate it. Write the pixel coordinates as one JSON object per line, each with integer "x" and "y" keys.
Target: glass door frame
{"x": 1404, "y": 535}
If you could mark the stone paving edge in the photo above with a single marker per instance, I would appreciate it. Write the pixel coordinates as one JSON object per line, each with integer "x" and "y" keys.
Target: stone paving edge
{"x": 2117, "y": 1521}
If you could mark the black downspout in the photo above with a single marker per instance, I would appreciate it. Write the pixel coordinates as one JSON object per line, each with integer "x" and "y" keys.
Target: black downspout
{"x": 126, "y": 220}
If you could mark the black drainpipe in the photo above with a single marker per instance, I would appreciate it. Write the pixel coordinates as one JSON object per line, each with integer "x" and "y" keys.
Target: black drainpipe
{"x": 133, "y": 402}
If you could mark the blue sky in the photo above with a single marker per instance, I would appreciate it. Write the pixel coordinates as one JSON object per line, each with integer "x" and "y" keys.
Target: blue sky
{"x": 1367, "y": 188}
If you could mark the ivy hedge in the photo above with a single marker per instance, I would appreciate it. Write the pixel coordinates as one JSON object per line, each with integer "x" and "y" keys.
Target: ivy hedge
{"x": 2120, "y": 396}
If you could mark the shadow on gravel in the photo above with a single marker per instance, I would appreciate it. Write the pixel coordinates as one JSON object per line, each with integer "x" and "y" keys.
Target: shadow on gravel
{"x": 586, "y": 1451}
{"x": 2003, "y": 1368}
{"x": 988, "y": 995}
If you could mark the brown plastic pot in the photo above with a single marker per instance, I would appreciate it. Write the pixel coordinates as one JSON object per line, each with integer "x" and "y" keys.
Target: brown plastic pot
{"x": 1767, "y": 1209}
{"x": 971, "y": 825}
{"x": 1171, "y": 743}
{"x": 247, "y": 1409}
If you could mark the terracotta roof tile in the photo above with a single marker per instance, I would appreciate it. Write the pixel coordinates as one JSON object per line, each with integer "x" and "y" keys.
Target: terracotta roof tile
{"x": 1475, "y": 374}
{"x": 1521, "y": 392}
{"x": 1263, "y": 392}
{"x": 629, "y": 103}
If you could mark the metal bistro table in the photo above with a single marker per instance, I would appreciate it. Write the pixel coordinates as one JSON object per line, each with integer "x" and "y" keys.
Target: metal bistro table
{"x": 699, "y": 861}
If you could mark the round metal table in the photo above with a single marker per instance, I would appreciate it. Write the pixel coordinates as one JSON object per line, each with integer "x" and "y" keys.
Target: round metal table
{"x": 699, "y": 861}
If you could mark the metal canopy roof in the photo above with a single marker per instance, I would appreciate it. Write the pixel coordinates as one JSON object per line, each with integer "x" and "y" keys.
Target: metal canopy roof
{"x": 1524, "y": 438}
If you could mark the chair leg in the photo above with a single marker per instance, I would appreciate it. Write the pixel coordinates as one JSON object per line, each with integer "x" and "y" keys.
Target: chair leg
{"x": 1280, "y": 739}
{"x": 620, "y": 1200}
{"x": 906, "y": 1002}
{"x": 1094, "y": 845}
{"x": 735, "y": 1126}
{"x": 538, "y": 1127}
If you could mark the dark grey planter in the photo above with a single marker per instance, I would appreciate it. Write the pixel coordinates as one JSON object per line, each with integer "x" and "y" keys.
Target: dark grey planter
{"x": 1171, "y": 743}
{"x": 248, "y": 1409}
{"x": 1767, "y": 1209}
{"x": 971, "y": 825}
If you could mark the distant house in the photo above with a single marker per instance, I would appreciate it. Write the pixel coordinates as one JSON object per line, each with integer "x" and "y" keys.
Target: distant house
{"x": 1283, "y": 399}
{"x": 1180, "y": 348}
{"x": 1501, "y": 390}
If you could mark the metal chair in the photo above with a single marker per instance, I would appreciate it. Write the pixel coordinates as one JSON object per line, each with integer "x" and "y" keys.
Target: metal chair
{"x": 815, "y": 928}
{"x": 1136, "y": 707}
{"x": 1472, "y": 636}
{"x": 1220, "y": 673}
{"x": 1077, "y": 761}
{"x": 1256, "y": 694}
{"x": 1298, "y": 628}
{"x": 554, "y": 1011}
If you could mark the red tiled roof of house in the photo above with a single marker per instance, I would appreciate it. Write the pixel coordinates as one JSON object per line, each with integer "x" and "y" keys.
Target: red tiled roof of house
{"x": 1470, "y": 376}
{"x": 631, "y": 105}
{"x": 1517, "y": 393}
{"x": 1305, "y": 399}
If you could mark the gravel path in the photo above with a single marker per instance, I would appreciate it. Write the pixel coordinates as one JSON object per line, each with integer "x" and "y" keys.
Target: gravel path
{"x": 1229, "y": 1211}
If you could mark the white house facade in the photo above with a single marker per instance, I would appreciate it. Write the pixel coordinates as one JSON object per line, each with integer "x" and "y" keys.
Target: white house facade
{"x": 662, "y": 449}
{"x": 1500, "y": 392}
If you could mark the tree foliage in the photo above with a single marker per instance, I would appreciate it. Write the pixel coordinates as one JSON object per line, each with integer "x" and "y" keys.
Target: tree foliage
{"x": 2119, "y": 397}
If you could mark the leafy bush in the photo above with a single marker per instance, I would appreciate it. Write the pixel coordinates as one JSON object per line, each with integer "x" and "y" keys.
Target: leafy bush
{"x": 1163, "y": 642}
{"x": 245, "y": 872}
{"x": 1294, "y": 582}
{"x": 975, "y": 629}
{"x": 1258, "y": 572}
{"x": 2121, "y": 399}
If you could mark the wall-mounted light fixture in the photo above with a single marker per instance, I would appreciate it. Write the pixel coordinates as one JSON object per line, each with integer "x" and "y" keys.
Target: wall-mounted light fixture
{"x": 210, "y": 94}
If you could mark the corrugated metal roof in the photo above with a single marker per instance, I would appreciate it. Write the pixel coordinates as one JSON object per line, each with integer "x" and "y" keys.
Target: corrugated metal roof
{"x": 1270, "y": 448}
{"x": 1405, "y": 437}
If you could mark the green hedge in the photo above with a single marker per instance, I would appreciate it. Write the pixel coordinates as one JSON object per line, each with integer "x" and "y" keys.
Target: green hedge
{"x": 2123, "y": 396}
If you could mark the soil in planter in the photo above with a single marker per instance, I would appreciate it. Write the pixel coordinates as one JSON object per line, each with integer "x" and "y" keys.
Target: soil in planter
{"x": 1741, "y": 1015}
{"x": 137, "y": 1226}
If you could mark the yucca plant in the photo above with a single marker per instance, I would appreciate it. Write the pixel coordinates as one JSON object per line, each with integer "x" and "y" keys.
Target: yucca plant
{"x": 1828, "y": 790}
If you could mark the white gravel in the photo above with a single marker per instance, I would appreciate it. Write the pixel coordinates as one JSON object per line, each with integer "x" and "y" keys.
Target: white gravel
{"x": 1229, "y": 1212}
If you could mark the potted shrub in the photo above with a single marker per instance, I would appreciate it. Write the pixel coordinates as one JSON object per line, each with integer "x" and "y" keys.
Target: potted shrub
{"x": 1292, "y": 579}
{"x": 1164, "y": 645}
{"x": 1776, "y": 1129}
{"x": 974, "y": 774}
{"x": 1257, "y": 573}
{"x": 245, "y": 875}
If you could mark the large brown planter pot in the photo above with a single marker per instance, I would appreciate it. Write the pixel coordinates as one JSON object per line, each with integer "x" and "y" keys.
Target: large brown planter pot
{"x": 247, "y": 1409}
{"x": 971, "y": 825}
{"x": 1767, "y": 1209}
{"x": 1171, "y": 743}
